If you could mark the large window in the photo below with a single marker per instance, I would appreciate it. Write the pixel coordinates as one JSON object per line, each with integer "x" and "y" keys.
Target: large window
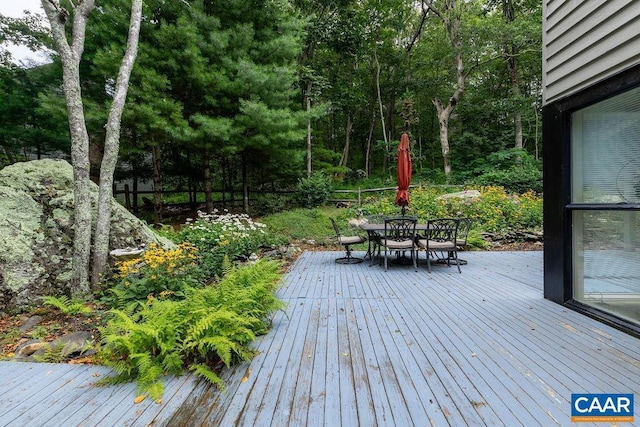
{"x": 605, "y": 197}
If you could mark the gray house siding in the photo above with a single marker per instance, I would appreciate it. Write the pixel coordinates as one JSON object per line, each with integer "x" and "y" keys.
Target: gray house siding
{"x": 586, "y": 41}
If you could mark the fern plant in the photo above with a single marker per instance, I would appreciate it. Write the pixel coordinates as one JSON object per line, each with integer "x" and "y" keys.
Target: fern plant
{"x": 68, "y": 307}
{"x": 213, "y": 324}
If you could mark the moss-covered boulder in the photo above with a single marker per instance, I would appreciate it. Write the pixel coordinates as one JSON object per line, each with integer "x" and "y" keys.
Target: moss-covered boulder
{"x": 36, "y": 231}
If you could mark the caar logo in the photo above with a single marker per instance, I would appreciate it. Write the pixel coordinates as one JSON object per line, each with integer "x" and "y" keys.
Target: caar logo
{"x": 602, "y": 407}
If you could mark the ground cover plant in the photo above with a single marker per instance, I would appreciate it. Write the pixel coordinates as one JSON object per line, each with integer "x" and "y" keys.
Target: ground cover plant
{"x": 190, "y": 307}
{"x": 221, "y": 235}
{"x": 212, "y": 325}
{"x": 303, "y": 224}
{"x": 160, "y": 273}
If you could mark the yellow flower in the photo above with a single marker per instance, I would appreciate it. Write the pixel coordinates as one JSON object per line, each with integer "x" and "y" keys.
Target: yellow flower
{"x": 165, "y": 293}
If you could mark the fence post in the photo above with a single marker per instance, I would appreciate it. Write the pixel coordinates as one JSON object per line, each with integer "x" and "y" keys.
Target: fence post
{"x": 127, "y": 197}
{"x": 359, "y": 198}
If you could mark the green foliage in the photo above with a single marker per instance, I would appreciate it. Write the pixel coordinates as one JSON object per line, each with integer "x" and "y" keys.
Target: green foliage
{"x": 220, "y": 236}
{"x": 516, "y": 179}
{"x": 52, "y": 354}
{"x": 313, "y": 191}
{"x": 266, "y": 204}
{"x": 476, "y": 241}
{"x": 32, "y": 123}
{"x": 68, "y": 307}
{"x": 217, "y": 80}
{"x": 211, "y": 324}
{"x": 515, "y": 170}
{"x": 302, "y": 223}
{"x": 159, "y": 274}
{"x": 10, "y": 334}
{"x": 494, "y": 210}
{"x": 39, "y": 332}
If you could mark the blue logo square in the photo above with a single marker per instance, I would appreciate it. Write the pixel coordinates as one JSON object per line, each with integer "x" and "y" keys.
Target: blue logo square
{"x": 605, "y": 407}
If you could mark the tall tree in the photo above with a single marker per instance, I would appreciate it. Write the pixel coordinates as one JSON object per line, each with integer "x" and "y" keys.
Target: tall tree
{"x": 112, "y": 146}
{"x": 450, "y": 14}
{"x": 27, "y": 129}
{"x": 511, "y": 52}
{"x": 70, "y": 48}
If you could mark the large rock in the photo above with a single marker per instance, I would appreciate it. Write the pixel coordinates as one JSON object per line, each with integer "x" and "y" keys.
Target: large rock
{"x": 36, "y": 231}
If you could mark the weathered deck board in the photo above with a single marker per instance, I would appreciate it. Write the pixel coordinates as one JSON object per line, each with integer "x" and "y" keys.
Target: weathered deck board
{"x": 360, "y": 346}
{"x": 478, "y": 348}
{"x": 62, "y": 394}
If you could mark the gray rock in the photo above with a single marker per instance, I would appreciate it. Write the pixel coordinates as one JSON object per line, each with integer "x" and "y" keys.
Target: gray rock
{"x": 467, "y": 194}
{"x": 74, "y": 343}
{"x": 36, "y": 231}
{"x": 28, "y": 349}
{"x": 291, "y": 251}
{"x": 30, "y": 322}
{"x": 273, "y": 254}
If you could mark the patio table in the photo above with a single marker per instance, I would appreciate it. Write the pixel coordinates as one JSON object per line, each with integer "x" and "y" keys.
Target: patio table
{"x": 376, "y": 229}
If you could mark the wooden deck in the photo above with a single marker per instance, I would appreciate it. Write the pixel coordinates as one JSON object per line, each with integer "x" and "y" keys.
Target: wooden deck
{"x": 360, "y": 346}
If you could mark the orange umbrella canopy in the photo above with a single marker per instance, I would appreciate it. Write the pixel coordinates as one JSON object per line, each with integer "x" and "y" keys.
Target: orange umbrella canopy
{"x": 404, "y": 172}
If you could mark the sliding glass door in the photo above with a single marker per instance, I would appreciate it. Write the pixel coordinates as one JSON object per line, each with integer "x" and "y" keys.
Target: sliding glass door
{"x": 605, "y": 205}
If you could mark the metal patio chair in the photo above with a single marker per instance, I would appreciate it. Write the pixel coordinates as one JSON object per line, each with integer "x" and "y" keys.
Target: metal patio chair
{"x": 347, "y": 241}
{"x": 440, "y": 237}
{"x": 399, "y": 236}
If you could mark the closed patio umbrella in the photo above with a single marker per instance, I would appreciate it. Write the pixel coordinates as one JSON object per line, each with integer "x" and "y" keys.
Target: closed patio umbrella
{"x": 404, "y": 172}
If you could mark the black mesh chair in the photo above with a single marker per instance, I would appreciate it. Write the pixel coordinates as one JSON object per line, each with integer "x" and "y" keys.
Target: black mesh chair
{"x": 347, "y": 241}
{"x": 374, "y": 235}
{"x": 440, "y": 238}
{"x": 399, "y": 237}
{"x": 464, "y": 226}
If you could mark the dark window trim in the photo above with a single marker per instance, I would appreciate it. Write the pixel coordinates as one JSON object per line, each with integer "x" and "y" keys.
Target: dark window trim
{"x": 603, "y": 206}
{"x": 605, "y": 317}
{"x": 558, "y": 256}
{"x": 615, "y": 85}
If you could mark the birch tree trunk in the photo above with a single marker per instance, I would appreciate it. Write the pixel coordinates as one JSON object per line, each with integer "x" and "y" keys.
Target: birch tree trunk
{"x": 70, "y": 54}
{"x": 451, "y": 20}
{"x": 347, "y": 143}
{"x": 444, "y": 114}
{"x": 367, "y": 158}
{"x": 112, "y": 146}
{"x": 382, "y": 121}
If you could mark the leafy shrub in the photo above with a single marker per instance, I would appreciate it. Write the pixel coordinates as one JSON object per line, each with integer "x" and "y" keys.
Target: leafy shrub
{"x": 271, "y": 203}
{"x": 212, "y": 324}
{"x": 216, "y": 236}
{"x": 514, "y": 179}
{"x": 313, "y": 191}
{"x": 68, "y": 307}
{"x": 302, "y": 224}
{"x": 352, "y": 176}
{"x": 495, "y": 210}
{"x": 161, "y": 273}
{"x": 514, "y": 169}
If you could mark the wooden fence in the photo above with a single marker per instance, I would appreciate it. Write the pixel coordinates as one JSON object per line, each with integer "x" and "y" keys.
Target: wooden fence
{"x": 358, "y": 194}
{"x": 346, "y": 197}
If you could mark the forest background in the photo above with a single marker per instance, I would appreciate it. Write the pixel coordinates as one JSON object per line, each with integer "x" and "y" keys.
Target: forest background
{"x": 250, "y": 95}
